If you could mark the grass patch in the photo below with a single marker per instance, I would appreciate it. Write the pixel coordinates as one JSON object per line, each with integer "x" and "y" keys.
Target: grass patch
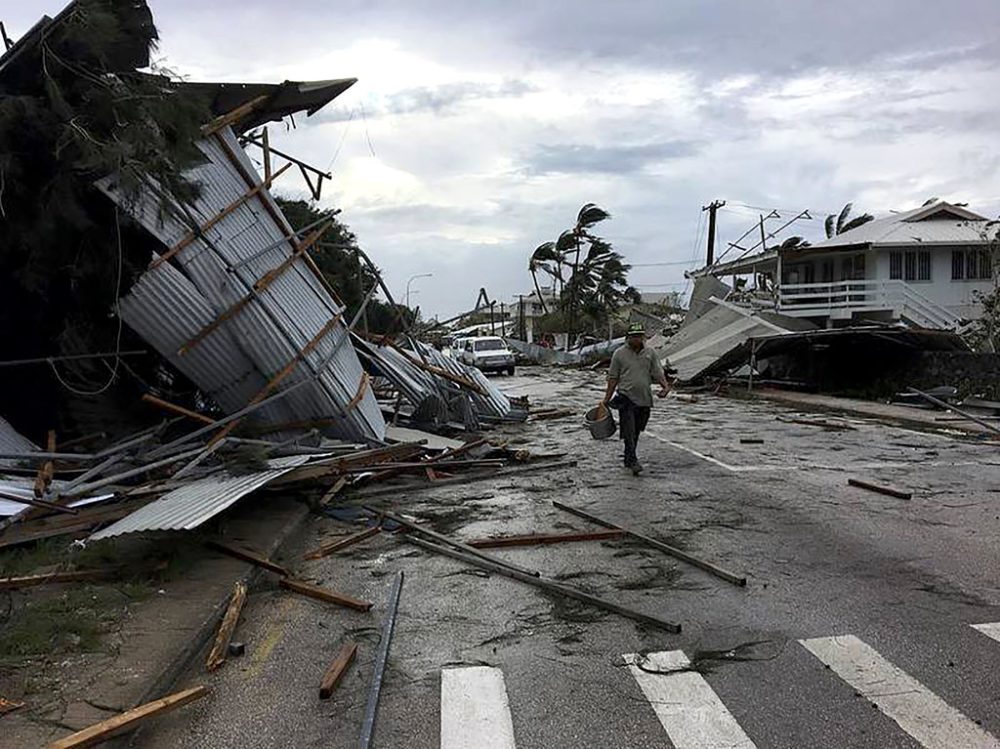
{"x": 71, "y": 621}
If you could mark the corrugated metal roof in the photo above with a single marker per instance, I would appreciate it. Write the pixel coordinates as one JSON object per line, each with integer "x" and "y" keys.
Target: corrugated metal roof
{"x": 940, "y": 223}
{"x": 219, "y": 269}
{"x": 193, "y": 504}
{"x": 12, "y": 441}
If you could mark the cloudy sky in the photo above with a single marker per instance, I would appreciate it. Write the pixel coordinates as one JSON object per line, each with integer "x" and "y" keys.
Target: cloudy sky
{"x": 478, "y": 129}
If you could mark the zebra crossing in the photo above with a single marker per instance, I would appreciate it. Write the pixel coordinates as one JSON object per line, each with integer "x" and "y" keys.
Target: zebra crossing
{"x": 475, "y": 708}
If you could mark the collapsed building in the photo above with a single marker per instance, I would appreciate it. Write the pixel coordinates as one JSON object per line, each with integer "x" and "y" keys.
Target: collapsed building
{"x": 147, "y": 260}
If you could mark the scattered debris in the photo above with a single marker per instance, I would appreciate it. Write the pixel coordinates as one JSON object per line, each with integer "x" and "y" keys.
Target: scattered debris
{"x": 106, "y": 729}
{"x": 333, "y": 546}
{"x": 548, "y": 585}
{"x": 880, "y": 489}
{"x": 666, "y": 548}
{"x": 322, "y": 594}
{"x": 544, "y": 538}
{"x": 249, "y": 556}
{"x": 217, "y": 656}
{"x": 337, "y": 670}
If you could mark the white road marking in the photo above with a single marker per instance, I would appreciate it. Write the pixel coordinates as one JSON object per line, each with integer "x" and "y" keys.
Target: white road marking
{"x": 918, "y": 711}
{"x": 990, "y": 629}
{"x": 474, "y": 709}
{"x": 689, "y": 709}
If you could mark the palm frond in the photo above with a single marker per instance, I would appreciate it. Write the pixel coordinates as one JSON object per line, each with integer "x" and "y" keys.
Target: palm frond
{"x": 829, "y": 225}
{"x": 589, "y": 215}
{"x": 842, "y": 219}
{"x": 857, "y": 221}
{"x": 566, "y": 242}
{"x": 930, "y": 201}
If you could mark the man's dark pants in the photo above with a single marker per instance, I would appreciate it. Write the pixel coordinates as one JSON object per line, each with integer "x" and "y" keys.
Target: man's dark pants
{"x": 632, "y": 421}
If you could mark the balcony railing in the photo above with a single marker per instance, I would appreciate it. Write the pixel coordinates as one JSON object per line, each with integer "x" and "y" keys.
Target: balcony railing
{"x": 844, "y": 298}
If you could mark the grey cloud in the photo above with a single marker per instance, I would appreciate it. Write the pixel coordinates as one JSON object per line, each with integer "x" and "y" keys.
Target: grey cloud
{"x": 575, "y": 158}
{"x": 437, "y": 99}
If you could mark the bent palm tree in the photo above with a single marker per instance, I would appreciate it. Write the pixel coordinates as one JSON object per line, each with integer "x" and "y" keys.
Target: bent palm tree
{"x": 839, "y": 224}
{"x": 547, "y": 259}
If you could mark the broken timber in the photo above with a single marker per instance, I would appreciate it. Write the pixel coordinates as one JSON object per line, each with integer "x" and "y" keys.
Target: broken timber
{"x": 550, "y": 585}
{"x": 388, "y": 624}
{"x": 442, "y": 539}
{"x": 468, "y": 478}
{"x": 880, "y": 489}
{"x": 666, "y": 548}
{"x": 101, "y": 732}
{"x": 947, "y": 406}
{"x": 248, "y": 556}
{"x": 53, "y": 578}
{"x": 217, "y": 656}
{"x": 327, "y": 549}
{"x": 337, "y": 670}
{"x": 544, "y": 538}
{"x": 322, "y": 594}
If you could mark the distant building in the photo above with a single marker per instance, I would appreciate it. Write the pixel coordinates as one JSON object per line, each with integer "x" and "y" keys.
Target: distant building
{"x": 921, "y": 267}
{"x": 528, "y": 307}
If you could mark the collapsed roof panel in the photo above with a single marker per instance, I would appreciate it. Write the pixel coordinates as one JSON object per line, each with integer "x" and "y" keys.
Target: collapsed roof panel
{"x": 269, "y": 313}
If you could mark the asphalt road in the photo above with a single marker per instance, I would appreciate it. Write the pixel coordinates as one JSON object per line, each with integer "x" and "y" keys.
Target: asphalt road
{"x": 885, "y": 591}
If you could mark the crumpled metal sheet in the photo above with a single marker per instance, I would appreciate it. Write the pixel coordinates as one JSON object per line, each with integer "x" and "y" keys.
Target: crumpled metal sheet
{"x": 168, "y": 307}
{"x": 12, "y": 441}
{"x": 193, "y": 504}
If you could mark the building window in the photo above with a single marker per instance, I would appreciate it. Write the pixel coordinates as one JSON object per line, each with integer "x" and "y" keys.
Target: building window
{"x": 971, "y": 265}
{"x": 826, "y": 271}
{"x": 923, "y": 265}
{"x": 896, "y": 265}
{"x": 912, "y": 265}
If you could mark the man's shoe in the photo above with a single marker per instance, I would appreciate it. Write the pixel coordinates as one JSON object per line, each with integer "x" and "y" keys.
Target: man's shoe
{"x": 636, "y": 469}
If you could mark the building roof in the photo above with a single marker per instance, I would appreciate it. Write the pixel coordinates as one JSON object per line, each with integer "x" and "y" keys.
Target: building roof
{"x": 939, "y": 223}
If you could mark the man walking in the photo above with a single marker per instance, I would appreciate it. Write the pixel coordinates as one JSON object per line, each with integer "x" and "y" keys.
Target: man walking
{"x": 633, "y": 370}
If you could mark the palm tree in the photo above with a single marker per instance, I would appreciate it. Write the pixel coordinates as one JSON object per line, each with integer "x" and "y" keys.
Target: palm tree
{"x": 571, "y": 241}
{"x": 547, "y": 259}
{"x": 839, "y": 224}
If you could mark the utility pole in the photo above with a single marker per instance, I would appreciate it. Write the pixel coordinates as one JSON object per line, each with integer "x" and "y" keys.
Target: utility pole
{"x": 712, "y": 207}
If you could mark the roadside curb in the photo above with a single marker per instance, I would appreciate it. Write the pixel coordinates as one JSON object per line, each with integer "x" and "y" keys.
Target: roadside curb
{"x": 164, "y": 682}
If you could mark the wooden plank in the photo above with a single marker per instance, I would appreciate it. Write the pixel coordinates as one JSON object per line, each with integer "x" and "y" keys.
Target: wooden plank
{"x": 101, "y": 732}
{"x": 337, "y": 670}
{"x": 322, "y": 594}
{"x": 880, "y": 489}
{"x": 333, "y": 491}
{"x": 234, "y": 116}
{"x": 550, "y": 586}
{"x": 54, "y": 578}
{"x": 544, "y": 538}
{"x": 175, "y": 409}
{"x": 217, "y": 656}
{"x": 326, "y": 549}
{"x": 41, "y": 504}
{"x": 666, "y": 548}
{"x": 76, "y": 525}
{"x": 46, "y": 472}
{"x": 193, "y": 235}
{"x": 249, "y": 556}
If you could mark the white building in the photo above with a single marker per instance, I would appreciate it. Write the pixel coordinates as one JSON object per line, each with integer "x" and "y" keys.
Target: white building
{"x": 529, "y": 308}
{"x": 922, "y": 267}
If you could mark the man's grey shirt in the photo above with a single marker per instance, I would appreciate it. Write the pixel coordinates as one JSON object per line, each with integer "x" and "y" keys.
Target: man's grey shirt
{"x": 636, "y": 373}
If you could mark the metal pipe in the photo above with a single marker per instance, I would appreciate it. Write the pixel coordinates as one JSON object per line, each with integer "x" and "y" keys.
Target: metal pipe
{"x": 73, "y": 357}
{"x": 84, "y": 489}
{"x": 381, "y": 658}
{"x": 947, "y": 406}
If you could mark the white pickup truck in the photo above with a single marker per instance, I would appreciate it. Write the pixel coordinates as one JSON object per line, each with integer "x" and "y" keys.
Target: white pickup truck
{"x": 488, "y": 354}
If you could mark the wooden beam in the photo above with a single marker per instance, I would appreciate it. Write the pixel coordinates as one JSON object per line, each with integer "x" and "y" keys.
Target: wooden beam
{"x": 54, "y": 578}
{"x": 41, "y": 504}
{"x": 544, "y": 538}
{"x": 333, "y": 491}
{"x": 337, "y": 670}
{"x": 322, "y": 594}
{"x": 880, "y": 489}
{"x": 249, "y": 556}
{"x": 101, "y": 732}
{"x": 176, "y": 409}
{"x": 192, "y": 235}
{"x": 234, "y": 115}
{"x": 47, "y": 471}
{"x": 217, "y": 656}
{"x": 326, "y": 549}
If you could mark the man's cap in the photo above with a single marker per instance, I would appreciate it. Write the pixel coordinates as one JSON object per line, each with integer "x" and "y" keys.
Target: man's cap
{"x": 636, "y": 329}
